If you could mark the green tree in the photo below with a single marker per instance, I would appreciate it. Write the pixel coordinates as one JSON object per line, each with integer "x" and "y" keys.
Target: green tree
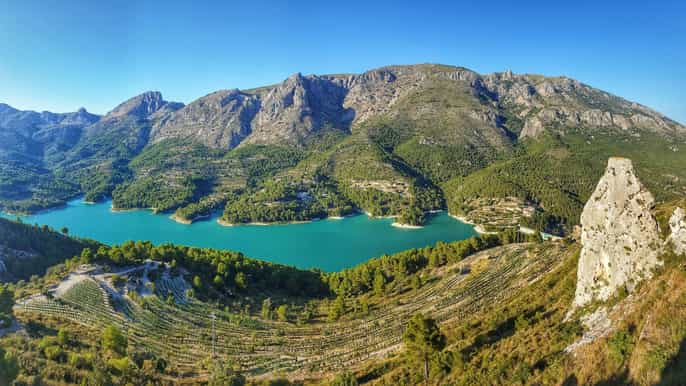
{"x": 54, "y": 353}
{"x": 364, "y": 307}
{"x": 416, "y": 282}
{"x": 423, "y": 340}
{"x": 224, "y": 374}
{"x": 86, "y": 256}
{"x": 337, "y": 309}
{"x": 267, "y": 308}
{"x": 98, "y": 377}
{"x": 63, "y": 338}
{"x": 282, "y": 313}
{"x": 345, "y": 379}
{"x": 379, "y": 283}
{"x": 114, "y": 340}
{"x": 241, "y": 281}
{"x": 9, "y": 369}
{"x": 6, "y": 303}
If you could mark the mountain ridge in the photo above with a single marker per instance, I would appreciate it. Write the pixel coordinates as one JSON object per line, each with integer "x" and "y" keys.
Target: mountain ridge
{"x": 389, "y": 141}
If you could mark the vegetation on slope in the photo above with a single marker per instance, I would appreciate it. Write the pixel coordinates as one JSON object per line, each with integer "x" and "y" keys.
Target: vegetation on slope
{"x": 558, "y": 173}
{"x": 501, "y": 312}
{"x": 27, "y": 188}
{"x": 254, "y": 293}
{"x": 437, "y": 130}
{"x": 28, "y": 250}
{"x": 216, "y": 274}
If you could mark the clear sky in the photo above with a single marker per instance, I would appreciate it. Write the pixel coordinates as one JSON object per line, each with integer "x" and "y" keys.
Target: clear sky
{"x": 61, "y": 55}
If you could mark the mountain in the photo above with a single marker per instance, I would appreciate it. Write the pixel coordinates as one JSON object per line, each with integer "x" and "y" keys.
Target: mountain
{"x": 398, "y": 140}
{"x": 34, "y": 134}
{"x": 98, "y": 161}
{"x": 302, "y": 105}
{"x": 53, "y": 157}
{"x": 28, "y": 139}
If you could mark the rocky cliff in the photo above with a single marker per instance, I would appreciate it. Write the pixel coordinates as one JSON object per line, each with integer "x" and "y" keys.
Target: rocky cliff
{"x": 620, "y": 236}
{"x": 677, "y": 226}
{"x": 547, "y": 102}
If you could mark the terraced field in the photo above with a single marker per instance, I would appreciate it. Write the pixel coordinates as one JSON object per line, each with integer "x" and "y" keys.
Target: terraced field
{"x": 188, "y": 332}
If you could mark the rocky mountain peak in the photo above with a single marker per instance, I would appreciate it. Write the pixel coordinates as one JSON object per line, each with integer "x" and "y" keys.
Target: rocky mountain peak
{"x": 140, "y": 106}
{"x": 294, "y": 78}
{"x": 81, "y": 117}
{"x": 4, "y": 107}
{"x": 620, "y": 236}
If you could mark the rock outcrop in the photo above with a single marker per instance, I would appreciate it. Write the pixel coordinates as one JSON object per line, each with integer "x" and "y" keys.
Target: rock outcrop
{"x": 677, "y": 225}
{"x": 140, "y": 106}
{"x": 620, "y": 236}
{"x": 221, "y": 119}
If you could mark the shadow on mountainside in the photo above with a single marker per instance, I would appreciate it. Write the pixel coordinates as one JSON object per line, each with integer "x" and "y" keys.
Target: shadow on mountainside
{"x": 617, "y": 379}
{"x": 501, "y": 331}
{"x": 675, "y": 371}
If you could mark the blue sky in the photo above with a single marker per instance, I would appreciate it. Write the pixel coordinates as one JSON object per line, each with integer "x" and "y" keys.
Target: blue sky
{"x": 61, "y": 55}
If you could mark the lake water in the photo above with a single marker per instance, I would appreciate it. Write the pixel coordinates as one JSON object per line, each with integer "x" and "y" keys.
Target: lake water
{"x": 329, "y": 245}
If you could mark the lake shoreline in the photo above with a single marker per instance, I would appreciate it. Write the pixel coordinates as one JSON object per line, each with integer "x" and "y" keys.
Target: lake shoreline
{"x": 184, "y": 221}
{"x": 395, "y": 224}
{"x": 326, "y": 245}
{"x": 406, "y": 226}
{"x": 478, "y": 228}
{"x": 124, "y": 210}
{"x": 264, "y": 224}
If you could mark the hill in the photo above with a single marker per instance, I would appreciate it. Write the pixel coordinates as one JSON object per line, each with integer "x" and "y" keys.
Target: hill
{"x": 28, "y": 250}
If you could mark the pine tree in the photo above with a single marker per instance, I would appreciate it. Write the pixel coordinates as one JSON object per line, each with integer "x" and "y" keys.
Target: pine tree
{"x": 267, "y": 308}
{"x": 423, "y": 339}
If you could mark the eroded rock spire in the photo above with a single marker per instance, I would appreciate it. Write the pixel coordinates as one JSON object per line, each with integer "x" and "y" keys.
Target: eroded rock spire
{"x": 620, "y": 236}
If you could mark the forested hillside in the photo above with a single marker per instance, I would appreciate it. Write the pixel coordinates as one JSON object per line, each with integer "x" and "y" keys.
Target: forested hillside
{"x": 124, "y": 321}
{"x": 28, "y": 250}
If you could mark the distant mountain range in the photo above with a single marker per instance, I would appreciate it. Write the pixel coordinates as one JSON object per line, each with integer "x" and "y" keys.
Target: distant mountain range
{"x": 394, "y": 140}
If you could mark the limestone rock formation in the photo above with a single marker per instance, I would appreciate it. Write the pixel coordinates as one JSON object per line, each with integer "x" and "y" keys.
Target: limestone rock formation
{"x": 140, "y": 106}
{"x": 302, "y": 105}
{"x": 221, "y": 119}
{"x": 620, "y": 236}
{"x": 677, "y": 225}
{"x": 299, "y": 107}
